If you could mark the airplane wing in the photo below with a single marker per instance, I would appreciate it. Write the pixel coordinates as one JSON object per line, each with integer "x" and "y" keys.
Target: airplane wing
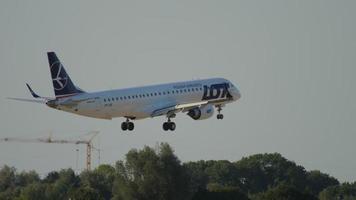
{"x": 167, "y": 110}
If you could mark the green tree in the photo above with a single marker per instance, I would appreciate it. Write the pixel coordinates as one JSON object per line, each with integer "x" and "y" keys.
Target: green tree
{"x": 221, "y": 195}
{"x": 51, "y": 177}
{"x": 66, "y": 183}
{"x": 101, "y": 180}
{"x": 86, "y": 193}
{"x": 345, "y": 191}
{"x": 284, "y": 192}
{"x": 147, "y": 174}
{"x": 26, "y": 178}
{"x": 216, "y": 191}
{"x": 317, "y": 181}
{"x": 34, "y": 191}
{"x": 7, "y": 177}
{"x": 223, "y": 173}
{"x": 261, "y": 171}
{"x": 199, "y": 179}
{"x": 8, "y": 188}
{"x": 158, "y": 174}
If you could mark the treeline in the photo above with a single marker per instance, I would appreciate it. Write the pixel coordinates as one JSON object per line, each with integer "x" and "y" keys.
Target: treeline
{"x": 157, "y": 174}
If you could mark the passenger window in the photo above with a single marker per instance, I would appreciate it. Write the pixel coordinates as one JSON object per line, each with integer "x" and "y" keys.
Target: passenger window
{"x": 155, "y": 94}
{"x": 164, "y": 93}
{"x": 128, "y": 97}
{"x": 167, "y": 92}
{"x": 185, "y": 90}
{"x": 159, "y": 93}
{"x": 117, "y": 98}
{"x": 188, "y": 90}
{"x": 104, "y": 100}
{"x": 120, "y": 98}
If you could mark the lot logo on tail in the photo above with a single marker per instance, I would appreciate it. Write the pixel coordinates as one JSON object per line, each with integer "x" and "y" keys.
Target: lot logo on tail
{"x": 216, "y": 91}
{"x": 61, "y": 79}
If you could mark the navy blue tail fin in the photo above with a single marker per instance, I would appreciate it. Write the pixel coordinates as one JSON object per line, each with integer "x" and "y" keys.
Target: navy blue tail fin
{"x": 62, "y": 84}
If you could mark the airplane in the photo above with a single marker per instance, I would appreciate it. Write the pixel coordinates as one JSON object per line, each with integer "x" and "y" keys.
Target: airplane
{"x": 196, "y": 98}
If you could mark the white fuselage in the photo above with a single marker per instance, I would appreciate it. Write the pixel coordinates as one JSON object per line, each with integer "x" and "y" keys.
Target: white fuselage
{"x": 141, "y": 102}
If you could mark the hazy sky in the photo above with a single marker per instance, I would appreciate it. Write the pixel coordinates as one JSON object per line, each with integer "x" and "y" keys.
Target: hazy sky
{"x": 293, "y": 60}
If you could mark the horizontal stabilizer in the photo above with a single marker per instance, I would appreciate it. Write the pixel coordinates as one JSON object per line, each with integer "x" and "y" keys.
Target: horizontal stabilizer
{"x": 41, "y": 101}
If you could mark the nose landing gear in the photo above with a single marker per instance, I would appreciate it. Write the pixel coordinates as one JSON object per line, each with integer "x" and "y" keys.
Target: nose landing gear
{"x": 219, "y": 116}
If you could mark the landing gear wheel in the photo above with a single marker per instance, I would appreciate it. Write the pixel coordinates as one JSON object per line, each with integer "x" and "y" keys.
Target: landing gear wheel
{"x": 130, "y": 126}
{"x": 169, "y": 126}
{"x": 172, "y": 126}
{"x": 165, "y": 126}
{"x": 220, "y": 116}
{"x": 124, "y": 126}
{"x": 127, "y": 125}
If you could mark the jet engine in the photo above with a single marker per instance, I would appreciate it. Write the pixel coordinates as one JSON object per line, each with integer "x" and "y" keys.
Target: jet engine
{"x": 203, "y": 112}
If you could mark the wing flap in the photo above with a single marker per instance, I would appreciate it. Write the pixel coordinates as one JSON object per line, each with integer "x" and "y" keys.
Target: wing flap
{"x": 176, "y": 108}
{"x": 191, "y": 105}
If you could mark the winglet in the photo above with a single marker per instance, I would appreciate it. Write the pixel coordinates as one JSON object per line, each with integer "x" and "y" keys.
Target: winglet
{"x": 32, "y": 92}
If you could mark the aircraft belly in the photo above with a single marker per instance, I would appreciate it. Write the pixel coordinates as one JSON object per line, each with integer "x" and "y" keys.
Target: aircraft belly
{"x": 134, "y": 110}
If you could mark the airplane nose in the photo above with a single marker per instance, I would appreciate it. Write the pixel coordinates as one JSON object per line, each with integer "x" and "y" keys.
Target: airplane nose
{"x": 237, "y": 94}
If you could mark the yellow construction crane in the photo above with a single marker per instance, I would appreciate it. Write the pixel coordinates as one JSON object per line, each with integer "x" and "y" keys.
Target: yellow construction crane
{"x": 88, "y": 143}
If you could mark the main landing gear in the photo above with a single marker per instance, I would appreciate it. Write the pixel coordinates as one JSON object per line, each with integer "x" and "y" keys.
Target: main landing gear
{"x": 169, "y": 125}
{"x": 219, "y": 116}
{"x": 127, "y": 125}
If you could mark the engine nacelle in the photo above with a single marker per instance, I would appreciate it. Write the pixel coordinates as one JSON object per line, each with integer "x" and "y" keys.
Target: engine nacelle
{"x": 204, "y": 112}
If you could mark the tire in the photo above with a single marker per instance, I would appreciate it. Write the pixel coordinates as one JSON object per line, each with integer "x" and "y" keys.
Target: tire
{"x": 165, "y": 126}
{"x": 130, "y": 126}
{"x": 172, "y": 126}
{"x": 124, "y": 126}
{"x": 220, "y": 116}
